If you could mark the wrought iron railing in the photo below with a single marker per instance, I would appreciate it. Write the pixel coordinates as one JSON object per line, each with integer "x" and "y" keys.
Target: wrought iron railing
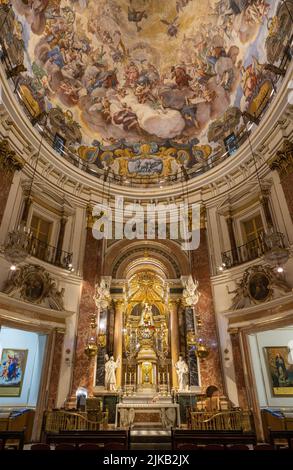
{"x": 58, "y": 421}
{"x": 251, "y": 250}
{"x": 159, "y": 181}
{"x": 239, "y": 420}
{"x": 49, "y": 254}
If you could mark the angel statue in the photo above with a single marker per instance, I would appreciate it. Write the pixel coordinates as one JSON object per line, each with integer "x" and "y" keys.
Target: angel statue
{"x": 190, "y": 293}
{"x": 110, "y": 372}
{"x": 102, "y": 296}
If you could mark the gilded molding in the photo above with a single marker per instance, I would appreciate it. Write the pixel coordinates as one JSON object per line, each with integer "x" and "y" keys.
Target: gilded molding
{"x": 283, "y": 161}
{"x": 9, "y": 160}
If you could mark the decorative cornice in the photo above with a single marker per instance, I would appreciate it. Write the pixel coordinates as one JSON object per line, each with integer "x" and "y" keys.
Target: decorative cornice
{"x": 283, "y": 160}
{"x": 9, "y": 160}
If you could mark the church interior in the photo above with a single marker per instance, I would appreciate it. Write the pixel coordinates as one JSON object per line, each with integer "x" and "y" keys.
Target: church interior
{"x": 146, "y": 224}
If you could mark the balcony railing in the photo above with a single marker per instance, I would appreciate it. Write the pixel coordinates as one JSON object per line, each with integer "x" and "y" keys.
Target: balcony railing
{"x": 252, "y": 250}
{"x": 49, "y": 254}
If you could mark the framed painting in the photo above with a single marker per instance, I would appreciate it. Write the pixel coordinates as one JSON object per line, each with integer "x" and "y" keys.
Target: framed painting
{"x": 259, "y": 287}
{"x": 280, "y": 371}
{"x": 12, "y": 370}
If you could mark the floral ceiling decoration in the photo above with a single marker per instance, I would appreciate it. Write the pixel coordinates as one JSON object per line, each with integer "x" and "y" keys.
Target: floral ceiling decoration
{"x": 131, "y": 84}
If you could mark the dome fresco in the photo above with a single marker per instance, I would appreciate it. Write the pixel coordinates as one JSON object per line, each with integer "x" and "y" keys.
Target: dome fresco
{"x": 147, "y": 87}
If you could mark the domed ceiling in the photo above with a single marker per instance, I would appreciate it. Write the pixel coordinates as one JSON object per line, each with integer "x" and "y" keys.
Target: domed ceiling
{"x": 146, "y": 86}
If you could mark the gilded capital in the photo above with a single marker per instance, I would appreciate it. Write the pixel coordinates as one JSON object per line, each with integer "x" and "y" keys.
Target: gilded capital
{"x": 283, "y": 160}
{"x": 9, "y": 160}
{"x": 233, "y": 331}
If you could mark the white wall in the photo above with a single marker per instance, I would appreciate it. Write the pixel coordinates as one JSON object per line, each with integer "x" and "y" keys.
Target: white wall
{"x": 258, "y": 342}
{"x": 35, "y": 344}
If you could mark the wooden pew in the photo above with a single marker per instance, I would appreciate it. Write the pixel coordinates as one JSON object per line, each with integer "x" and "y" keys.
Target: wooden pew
{"x": 84, "y": 437}
{"x": 286, "y": 435}
{"x": 188, "y": 436}
{"x": 13, "y": 435}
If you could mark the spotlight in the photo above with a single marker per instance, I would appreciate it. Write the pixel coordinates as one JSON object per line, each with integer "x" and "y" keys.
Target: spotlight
{"x": 13, "y": 267}
{"x": 280, "y": 269}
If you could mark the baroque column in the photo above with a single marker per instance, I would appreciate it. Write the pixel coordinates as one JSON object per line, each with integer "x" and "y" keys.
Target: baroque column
{"x": 283, "y": 164}
{"x": 118, "y": 339}
{"x": 175, "y": 350}
{"x": 239, "y": 373}
{"x": 9, "y": 163}
{"x": 232, "y": 239}
{"x": 63, "y": 222}
{"x": 210, "y": 368}
{"x": 83, "y": 374}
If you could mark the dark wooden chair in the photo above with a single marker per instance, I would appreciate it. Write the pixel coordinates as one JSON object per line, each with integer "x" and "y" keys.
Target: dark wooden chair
{"x": 40, "y": 446}
{"x": 114, "y": 446}
{"x": 89, "y": 446}
{"x": 187, "y": 447}
{"x": 214, "y": 447}
{"x": 264, "y": 447}
{"x": 65, "y": 446}
{"x": 238, "y": 447}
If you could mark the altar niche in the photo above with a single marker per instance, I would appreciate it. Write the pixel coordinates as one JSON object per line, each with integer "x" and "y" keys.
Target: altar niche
{"x": 146, "y": 348}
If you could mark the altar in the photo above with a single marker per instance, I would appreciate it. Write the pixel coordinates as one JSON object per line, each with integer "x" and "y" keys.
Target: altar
{"x": 148, "y": 415}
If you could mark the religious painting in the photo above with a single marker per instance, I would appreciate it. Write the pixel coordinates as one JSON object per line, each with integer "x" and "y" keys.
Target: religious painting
{"x": 34, "y": 287}
{"x": 280, "y": 371}
{"x": 12, "y": 370}
{"x": 114, "y": 73}
{"x": 259, "y": 287}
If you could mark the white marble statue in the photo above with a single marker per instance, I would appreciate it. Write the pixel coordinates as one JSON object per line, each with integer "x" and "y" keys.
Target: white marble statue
{"x": 190, "y": 292}
{"x": 110, "y": 373}
{"x": 182, "y": 374}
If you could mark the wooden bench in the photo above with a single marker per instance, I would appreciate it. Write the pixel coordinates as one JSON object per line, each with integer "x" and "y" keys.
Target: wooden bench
{"x": 85, "y": 437}
{"x": 286, "y": 435}
{"x": 12, "y": 435}
{"x": 188, "y": 436}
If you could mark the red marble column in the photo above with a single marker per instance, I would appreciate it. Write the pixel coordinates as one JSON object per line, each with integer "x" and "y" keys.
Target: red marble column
{"x": 210, "y": 368}
{"x": 83, "y": 374}
{"x": 287, "y": 185}
{"x": 9, "y": 163}
{"x": 55, "y": 371}
{"x": 239, "y": 372}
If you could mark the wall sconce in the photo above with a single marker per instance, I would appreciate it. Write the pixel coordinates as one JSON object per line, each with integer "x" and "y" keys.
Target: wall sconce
{"x": 67, "y": 357}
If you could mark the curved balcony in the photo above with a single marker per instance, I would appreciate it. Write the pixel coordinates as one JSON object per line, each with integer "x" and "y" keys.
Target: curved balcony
{"x": 252, "y": 250}
{"x": 184, "y": 174}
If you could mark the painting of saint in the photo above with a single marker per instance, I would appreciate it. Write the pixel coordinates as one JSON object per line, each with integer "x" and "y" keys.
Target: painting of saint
{"x": 280, "y": 371}
{"x": 12, "y": 369}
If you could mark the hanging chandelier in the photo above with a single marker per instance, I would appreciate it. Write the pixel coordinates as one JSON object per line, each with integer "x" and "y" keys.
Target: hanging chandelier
{"x": 91, "y": 349}
{"x": 198, "y": 344}
{"x": 17, "y": 246}
{"x": 275, "y": 252}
